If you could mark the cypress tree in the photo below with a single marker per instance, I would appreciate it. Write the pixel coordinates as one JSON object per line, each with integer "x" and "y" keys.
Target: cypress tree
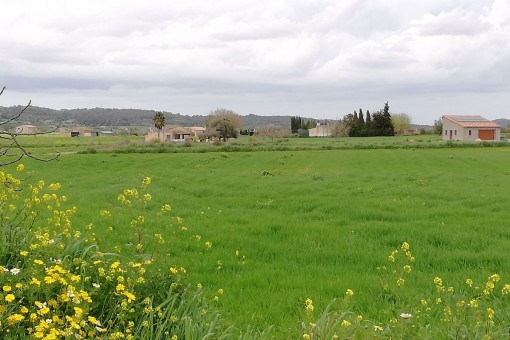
{"x": 368, "y": 125}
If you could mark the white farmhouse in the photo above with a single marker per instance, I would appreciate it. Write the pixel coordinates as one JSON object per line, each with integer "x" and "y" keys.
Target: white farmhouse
{"x": 321, "y": 131}
{"x": 469, "y": 128}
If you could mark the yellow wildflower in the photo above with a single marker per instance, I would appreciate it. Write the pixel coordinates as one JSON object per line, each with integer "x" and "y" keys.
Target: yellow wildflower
{"x": 130, "y": 296}
{"x": 93, "y": 321}
{"x": 473, "y": 303}
{"x": 345, "y": 323}
{"x": 146, "y": 181}
{"x": 15, "y": 318}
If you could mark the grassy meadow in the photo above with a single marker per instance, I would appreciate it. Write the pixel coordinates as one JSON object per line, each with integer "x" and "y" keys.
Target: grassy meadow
{"x": 286, "y": 226}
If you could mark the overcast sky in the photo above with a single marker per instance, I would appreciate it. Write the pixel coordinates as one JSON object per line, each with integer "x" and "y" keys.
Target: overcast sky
{"x": 321, "y": 59}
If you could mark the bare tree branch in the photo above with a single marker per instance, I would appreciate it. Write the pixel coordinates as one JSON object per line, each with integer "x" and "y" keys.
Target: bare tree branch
{"x": 13, "y": 148}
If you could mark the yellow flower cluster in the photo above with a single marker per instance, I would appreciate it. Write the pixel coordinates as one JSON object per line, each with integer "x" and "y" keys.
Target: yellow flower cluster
{"x": 309, "y": 305}
{"x": 45, "y": 294}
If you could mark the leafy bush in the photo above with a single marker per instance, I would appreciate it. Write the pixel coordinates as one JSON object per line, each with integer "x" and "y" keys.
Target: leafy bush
{"x": 56, "y": 283}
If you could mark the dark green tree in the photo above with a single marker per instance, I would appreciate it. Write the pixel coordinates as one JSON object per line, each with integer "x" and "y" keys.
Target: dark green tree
{"x": 350, "y": 122}
{"x": 389, "y": 129}
{"x": 362, "y": 130}
{"x": 438, "y": 126}
{"x": 368, "y": 124}
{"x": 296, "y": 123}
{"x": 159, "y": 121}
{"x": 381, "y": 122}
{"x": 223, "y": 123}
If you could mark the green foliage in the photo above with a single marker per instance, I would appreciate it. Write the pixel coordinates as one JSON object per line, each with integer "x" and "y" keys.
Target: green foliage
{"x": 377, "y": 124}
{"x": 438, "y": 126}
{"x": 401, "y": 122}
{"x": 298, "y": 123}
{"x": 292, "y": 248}
{"x": 223, "y": 124}
{"x": 463, "y": 311}
{"x": 56, "y": 283}
{"x": 159, "y": 120}
{"x": 303, "y": 133}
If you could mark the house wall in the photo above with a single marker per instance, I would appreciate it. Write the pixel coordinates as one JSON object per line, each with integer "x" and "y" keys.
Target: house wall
{"x": 153, "y": 135}
{"x": 460, "y": 133}
{"x": 320, "y": 131}
{"x": 451, "y": 130}
{"x": 166, "y": 136}
{"x": 27, "y": 129}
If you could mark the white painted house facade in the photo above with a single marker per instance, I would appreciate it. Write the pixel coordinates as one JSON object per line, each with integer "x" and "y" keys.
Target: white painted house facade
{"x": 321, "y": 131}
{"x": 469, "y": 128}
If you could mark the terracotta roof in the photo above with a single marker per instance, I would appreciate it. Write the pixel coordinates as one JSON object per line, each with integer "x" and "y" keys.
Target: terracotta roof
{"x": 472, "y": 121}
{"x": 180, "y": 129}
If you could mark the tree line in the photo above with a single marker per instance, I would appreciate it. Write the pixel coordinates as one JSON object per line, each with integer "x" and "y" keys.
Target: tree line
{"x": 365, "y": 125}
{"x": 298, "y": 123}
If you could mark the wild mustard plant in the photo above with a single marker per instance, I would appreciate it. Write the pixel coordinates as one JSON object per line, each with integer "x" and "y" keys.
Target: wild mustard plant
{"x": 340, "y": 323}
{"x": 468, "y": 310}
{"x": 463, "y": 311}
{"x": 56, "y": 283}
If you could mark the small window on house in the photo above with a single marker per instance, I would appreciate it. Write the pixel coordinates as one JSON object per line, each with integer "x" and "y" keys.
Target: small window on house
{"x": 455, "y": 132}
{"x": 469, "y": 132}
{"x": 445, "y": 132}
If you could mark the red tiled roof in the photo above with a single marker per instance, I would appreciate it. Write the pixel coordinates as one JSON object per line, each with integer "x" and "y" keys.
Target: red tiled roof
{"x": 472, "y": 121}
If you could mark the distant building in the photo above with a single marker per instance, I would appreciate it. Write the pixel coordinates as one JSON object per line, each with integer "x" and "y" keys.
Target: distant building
{"x": 27, "y": 129}
{"x": 469, "y": 128}
{"x": 174, "y": 133}
{"x": 79, "y": 131}
{"x": 321, "y": 131}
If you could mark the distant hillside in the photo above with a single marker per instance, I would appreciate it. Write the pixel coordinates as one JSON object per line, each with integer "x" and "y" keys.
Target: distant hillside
{"x": 503, "y": 122}
{"x": 97, "y": 117}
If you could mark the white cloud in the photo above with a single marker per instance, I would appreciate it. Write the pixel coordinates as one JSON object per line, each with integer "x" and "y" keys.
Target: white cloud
{"x": 276, "y": 57}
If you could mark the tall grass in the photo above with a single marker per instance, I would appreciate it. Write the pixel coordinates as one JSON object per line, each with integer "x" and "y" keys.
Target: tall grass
{"x": 320, "y": 224}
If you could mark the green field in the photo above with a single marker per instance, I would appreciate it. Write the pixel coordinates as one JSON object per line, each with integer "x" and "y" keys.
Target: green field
{"x": 310, "y": 224}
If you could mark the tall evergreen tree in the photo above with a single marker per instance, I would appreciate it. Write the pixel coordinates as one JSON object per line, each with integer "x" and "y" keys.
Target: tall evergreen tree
{"x": 389, "y": 129}
{"x": 362, "y": 131}
{"x": 368, "y": 125}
